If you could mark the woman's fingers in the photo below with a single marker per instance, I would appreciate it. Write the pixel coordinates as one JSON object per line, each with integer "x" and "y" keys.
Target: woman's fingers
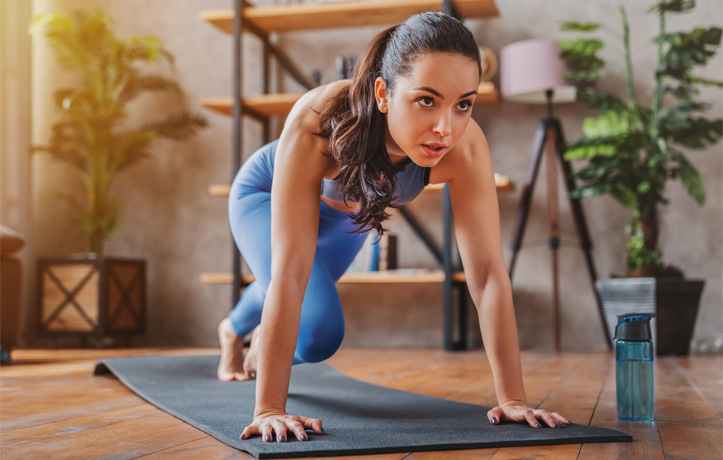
{"x": 560, "y": 418}
{"x": 249, "y": 431}
{"x": 298, "y": 430}
{"x": 312, "y": 423}
{"x": 553, "y": 419}
{"x": 547, "y": 418}
{"x": 278, "y": 427}
{"x": 520, "y": 413}
{"x": 280, "y": 430}
{"x": 267, "y": 433}
{"x": 495, "y": 415}
{"x": 529, "y": 415}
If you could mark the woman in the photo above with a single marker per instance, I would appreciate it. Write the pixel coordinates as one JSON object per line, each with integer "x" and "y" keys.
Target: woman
{"x": 347, "y": 152}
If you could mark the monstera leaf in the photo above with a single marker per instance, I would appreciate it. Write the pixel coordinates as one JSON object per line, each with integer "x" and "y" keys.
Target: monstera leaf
{"x": 629, "y": 150}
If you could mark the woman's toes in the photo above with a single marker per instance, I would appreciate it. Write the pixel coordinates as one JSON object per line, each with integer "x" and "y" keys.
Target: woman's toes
{"x": 224, "y": 376}
{"x": 232, "y": 357}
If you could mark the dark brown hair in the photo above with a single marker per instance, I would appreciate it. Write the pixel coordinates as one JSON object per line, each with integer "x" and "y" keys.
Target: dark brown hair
{"x": 356, "y": 128}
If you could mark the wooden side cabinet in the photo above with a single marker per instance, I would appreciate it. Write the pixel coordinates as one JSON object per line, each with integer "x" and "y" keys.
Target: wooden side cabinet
{"x": 89, "y": 297}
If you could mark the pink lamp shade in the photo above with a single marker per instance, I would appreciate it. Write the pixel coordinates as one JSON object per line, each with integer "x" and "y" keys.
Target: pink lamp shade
{"x": 528, "y": 68}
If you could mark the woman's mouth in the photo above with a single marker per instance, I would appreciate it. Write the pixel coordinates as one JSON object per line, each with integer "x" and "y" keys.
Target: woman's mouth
{"x": 434, "y": 151}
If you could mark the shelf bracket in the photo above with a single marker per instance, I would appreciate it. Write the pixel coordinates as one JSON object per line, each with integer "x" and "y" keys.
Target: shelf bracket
{"x": 282, "y": 57}
{"x": 256, "y": 114}
{"x": 422, "y": 234}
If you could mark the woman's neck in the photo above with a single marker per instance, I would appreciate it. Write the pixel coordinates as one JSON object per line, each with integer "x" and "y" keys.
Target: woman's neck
{"x": 396, "y": 154}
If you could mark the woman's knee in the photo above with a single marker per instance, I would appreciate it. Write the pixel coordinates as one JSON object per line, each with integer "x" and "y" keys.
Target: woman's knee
{"x": 321, "y": 344}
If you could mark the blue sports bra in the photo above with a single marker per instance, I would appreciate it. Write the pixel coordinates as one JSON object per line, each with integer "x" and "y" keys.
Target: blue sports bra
{"x": 410, "y": 183}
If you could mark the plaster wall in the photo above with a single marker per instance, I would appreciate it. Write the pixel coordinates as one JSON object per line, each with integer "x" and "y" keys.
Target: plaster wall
{"x": 15, "y": 118}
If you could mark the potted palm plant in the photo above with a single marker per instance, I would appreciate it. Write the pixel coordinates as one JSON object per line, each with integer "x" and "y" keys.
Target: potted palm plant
{"x": 630, "y": 151}
{"x": 92, "y": 294}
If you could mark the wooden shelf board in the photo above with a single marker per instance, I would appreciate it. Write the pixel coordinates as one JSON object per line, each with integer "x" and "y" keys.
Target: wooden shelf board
{"x": 221, "y": 190}
{"x": 487, "y": 94}
{"x": 503, "y": 183}
{"x": 267, "y": 104}
{"x": 216, "y": 278}
{"x": 314, "y": 16}
{"x": 405, "y": 276}
{"x": 281, "y": 104}
{"x": 381, "y": 277}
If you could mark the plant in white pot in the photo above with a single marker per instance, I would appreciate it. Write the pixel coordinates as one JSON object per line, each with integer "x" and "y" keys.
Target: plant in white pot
{"x": 631, "y": 150}
{"x": 95, "y": 295}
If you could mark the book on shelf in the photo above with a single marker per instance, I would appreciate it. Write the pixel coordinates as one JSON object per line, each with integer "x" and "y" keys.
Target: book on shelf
{"x": 377, "y": 254}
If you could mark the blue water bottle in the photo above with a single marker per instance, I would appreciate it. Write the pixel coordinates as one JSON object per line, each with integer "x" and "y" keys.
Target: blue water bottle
{"x": 634, "y": 367}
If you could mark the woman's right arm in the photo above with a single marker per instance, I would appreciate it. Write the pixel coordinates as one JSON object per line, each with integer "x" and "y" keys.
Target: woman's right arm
{"x": 299, "y": 168}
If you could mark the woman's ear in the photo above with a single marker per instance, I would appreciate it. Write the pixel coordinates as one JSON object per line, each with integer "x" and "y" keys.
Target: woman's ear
{"x": 380, "y": 93}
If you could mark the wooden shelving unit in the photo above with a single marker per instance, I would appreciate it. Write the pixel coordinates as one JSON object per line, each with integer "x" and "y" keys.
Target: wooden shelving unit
{"x": 262, "y": 21}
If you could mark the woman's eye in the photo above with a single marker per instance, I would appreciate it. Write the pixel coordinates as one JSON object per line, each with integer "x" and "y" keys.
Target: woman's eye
{"x": 429, "y": 100}
{"x": 465, "y": 107}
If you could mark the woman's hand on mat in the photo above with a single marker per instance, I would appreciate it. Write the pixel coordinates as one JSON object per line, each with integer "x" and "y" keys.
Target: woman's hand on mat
{"x": 278, "y": 422}
{"x": 517, "y": 411}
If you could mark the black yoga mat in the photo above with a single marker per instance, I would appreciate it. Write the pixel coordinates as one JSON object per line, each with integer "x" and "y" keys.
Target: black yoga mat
{"x": 359, "y": 418}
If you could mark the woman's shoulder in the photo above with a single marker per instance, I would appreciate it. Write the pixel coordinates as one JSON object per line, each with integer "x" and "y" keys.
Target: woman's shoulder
{"x": 472, "y": 138}
{"x": 309, "y": 107}
{"x": 302, "y": 125}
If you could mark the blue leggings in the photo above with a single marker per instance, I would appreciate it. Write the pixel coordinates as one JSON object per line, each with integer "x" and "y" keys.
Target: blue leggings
{"x": 249, "y": 208}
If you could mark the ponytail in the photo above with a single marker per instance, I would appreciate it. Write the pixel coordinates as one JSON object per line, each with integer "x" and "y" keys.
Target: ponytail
{"x": 356, "y": 129}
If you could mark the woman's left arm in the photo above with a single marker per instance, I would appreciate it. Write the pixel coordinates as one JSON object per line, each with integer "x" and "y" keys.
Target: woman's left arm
{"x": 477, "y": 228}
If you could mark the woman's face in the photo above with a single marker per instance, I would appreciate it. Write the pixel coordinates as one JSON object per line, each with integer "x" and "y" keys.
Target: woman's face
{"x": 430, "y": 108}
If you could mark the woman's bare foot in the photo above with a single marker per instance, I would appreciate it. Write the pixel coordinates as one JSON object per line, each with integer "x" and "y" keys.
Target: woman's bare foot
{"x": 250, "y": 363}
{"x": 231, "y": 366}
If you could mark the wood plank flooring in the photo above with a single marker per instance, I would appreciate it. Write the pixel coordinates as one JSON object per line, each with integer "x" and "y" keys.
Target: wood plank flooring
{"x": 52, "y": 407}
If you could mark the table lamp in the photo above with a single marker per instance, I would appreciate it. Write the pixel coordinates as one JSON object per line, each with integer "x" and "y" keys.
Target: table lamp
{"x": 531, "y": 73}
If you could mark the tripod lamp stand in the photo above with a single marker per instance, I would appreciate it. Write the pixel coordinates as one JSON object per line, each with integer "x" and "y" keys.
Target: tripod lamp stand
{"x": 531, "y": 73}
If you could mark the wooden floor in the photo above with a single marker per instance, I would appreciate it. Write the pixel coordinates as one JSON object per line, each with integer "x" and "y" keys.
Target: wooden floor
{"x": 51, "y": 406}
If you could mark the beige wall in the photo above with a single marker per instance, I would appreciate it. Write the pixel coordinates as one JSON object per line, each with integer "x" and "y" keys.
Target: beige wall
{"x": 182, "y": 231}
{"x": 15, "y": 130}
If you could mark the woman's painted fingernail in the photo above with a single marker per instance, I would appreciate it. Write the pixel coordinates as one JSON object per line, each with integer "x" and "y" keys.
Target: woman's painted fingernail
{"x": 303, "y": 437}
{"x": 282, "y": 438}
{"x": 493, "y": 420}
{"x": 321, "y": 428}
{"x": 538, "y": 425}
{"x": 267, "y": 437}
{"x": 555, "y": 424}
{"x": 243, "y": 435}
{"x": 569, "y": 421}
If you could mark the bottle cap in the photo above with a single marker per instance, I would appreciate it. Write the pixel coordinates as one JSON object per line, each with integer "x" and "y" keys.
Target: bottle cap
{"x": 634, "y": 327}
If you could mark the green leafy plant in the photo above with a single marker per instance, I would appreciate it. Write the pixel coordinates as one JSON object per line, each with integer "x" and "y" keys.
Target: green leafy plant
{"x": 92, "y": 134}
{"x": 631, "y": 150}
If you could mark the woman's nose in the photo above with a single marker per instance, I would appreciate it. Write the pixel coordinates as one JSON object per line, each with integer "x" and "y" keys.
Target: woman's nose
{"x": 443, "y": 126}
